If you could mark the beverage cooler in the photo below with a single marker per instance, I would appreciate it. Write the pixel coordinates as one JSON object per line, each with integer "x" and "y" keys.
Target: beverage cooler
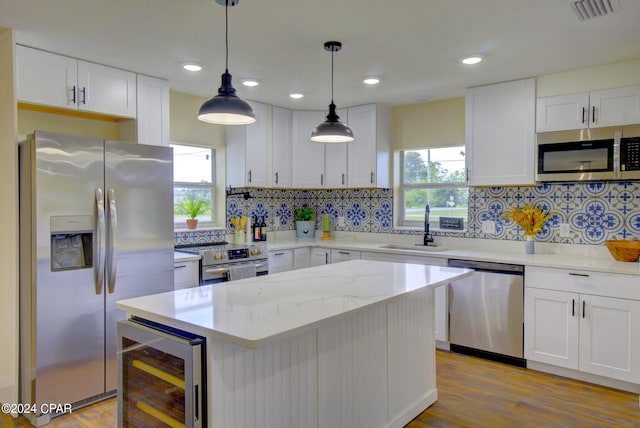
{"x": 161, "y": 376}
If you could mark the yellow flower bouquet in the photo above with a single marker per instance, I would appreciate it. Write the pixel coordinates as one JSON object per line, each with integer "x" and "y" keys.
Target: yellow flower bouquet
{"x": 529, "y": 218}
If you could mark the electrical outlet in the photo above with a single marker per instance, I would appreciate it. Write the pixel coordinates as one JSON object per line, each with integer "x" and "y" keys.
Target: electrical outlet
{"x": 276, "y": 221}
{"x": 341, "y": 221}
{"x": 565, "y": 230}
{"x": 489, "y": 227}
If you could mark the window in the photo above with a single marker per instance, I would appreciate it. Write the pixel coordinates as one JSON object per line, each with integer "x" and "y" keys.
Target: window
{"x": 434, "y": 176}
{"x": 193, "y": 178}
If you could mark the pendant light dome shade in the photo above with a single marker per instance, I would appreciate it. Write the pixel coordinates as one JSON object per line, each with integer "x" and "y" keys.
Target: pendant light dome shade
{"x": 332, "y": 130}
{"x": 226, "y": 108}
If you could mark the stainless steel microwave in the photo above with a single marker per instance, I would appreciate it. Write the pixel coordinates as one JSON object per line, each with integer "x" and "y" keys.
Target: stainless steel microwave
{"x": 611, "y": 153}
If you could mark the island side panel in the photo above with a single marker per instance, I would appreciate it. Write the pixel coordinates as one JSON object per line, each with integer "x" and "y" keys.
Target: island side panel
{"x": 352, "y": 371}
{"x": 411, "y": 353}
{"x": 274, "y": 386}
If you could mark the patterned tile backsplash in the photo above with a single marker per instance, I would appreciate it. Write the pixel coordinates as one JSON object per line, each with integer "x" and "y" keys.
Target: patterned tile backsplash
{"x": 595, "y": 211}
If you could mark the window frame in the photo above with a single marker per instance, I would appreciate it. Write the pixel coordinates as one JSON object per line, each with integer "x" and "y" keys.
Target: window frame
{"x": 191, "y": 185}
{"x": 403, "y": 187}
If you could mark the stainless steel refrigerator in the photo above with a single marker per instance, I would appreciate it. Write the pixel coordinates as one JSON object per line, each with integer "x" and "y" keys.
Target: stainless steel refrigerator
{"x": 96, "y": 226}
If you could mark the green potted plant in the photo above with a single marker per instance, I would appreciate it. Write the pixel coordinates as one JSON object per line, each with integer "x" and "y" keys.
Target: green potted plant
{"x": 193, "y": 208}
{"x": 305, "y": 223}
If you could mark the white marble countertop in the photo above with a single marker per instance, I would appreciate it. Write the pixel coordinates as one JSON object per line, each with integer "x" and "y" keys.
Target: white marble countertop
{"x": 583, "y": 257}
{"x": 255, "y": 311}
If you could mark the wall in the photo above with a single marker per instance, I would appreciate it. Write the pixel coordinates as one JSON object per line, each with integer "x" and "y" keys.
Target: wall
{"x": 29, "y": 121}
{"x": 187, "y": 129}
{"x": 589, "y": 79}
{"x": 594, "y": 211}
{"x": 8, "y": 223}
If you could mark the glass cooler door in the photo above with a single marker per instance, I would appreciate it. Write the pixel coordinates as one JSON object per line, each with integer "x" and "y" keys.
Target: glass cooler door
{"x": 161, "y": 376}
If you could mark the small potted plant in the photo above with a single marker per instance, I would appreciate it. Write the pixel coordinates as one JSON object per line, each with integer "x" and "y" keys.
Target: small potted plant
{"x": 193, "y": 208}
{"x": 305, "y": 223}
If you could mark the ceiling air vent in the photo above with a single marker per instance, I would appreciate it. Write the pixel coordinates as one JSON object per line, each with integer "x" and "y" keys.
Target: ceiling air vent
{"x": 590, "y": 9}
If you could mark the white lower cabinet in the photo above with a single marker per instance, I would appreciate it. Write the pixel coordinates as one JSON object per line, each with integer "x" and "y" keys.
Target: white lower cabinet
{"x": 319, "y": 256}
{"x": 344, "y": 255}
{"x": 301, "y": 258}
{"x": 280, "y": 261}
{"x": 185, "y": 274}
{"x": 441, "y": 295}
{"x": 575, "y": 326}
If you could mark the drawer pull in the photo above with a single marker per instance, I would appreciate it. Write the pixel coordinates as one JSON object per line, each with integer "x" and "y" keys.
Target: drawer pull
{"x": 180, "y": 267}
{"x": 579, "y": 274}
{"x": 278, "y": 254}
{"x": 346, "y": 253}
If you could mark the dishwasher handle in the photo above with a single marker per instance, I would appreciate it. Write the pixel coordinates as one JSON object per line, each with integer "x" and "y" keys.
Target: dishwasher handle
{"x": 487, "y": 266}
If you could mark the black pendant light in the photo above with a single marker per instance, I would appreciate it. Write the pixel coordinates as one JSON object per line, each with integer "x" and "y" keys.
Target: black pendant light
{"x": 332, "y": 130}
{"x": 226, "y": 108}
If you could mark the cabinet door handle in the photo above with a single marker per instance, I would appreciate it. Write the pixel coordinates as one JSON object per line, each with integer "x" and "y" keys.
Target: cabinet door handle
{"x": 84, "y": 95}
{"x": 276, "y": 178}
{"x": 593, "y": 114}
{"x": 466, "y": 174}
{"x": 73, "y": 90}
{"x": 583, "y": 112}
{"x": 372, "y": 177}
{"x": 322, "y": 179}
{"x": 583, "y": 308}
{"x": 326, "y": 258}
{"x": 249, "y": 176}
{"x": 573, "y": 307}
{"x": 343, "y": 178}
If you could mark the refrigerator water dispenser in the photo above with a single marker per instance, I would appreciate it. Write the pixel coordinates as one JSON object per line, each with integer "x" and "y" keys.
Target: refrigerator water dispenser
{"x": 71, "y": 242}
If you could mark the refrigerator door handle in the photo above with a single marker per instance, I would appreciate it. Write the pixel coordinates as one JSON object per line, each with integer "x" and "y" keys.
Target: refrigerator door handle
{"x": 100, "y": 243}
{"x": 113, "y": 256}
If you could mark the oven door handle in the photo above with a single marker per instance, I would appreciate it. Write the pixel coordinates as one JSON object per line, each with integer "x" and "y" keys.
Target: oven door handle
{"x": 217, "y": 270}
{"x": 226, "y": 269}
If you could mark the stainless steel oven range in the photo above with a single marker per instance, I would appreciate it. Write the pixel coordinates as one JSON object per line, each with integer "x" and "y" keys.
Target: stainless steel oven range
{"x": 222, "y": 262}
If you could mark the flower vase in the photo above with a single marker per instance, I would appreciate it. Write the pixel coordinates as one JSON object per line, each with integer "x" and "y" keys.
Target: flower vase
{"x": 529, "y": 245}
{"x": 239, "y": 237}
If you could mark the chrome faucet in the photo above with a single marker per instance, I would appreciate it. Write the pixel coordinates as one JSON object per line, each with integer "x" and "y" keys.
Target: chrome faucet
{"x": 427, "y": 238}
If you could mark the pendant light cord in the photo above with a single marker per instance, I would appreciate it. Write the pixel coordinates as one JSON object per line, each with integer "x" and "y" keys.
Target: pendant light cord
{"x": 226, "y": 35}
{"x": 332, "y": 76}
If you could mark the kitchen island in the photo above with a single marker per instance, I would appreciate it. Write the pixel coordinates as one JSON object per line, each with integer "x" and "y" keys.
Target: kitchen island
{"x": 343, "y": 345}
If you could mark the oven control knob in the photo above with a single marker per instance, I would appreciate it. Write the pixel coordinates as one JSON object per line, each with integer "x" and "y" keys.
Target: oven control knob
{"x": 218, "y": 255}
{"x": 256, "y": 251}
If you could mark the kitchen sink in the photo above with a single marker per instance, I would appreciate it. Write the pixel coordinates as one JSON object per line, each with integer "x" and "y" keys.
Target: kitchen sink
{"x": 415, "y": 247}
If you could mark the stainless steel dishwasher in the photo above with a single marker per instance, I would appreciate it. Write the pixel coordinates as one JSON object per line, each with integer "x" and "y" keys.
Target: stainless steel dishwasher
{"x": 486, "y": 311}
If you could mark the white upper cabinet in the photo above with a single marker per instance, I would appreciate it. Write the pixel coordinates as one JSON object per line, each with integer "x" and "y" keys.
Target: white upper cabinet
{"x": 246, "y": 152}
{"x": 58, "y": 81}
{"x": 335, "y": 160}
{"x": 620, "y": 106}
{"x": 500, "y": 133}
{"x": 368, "y": 155}
{"x": 562, "y": 112}
{"x": 152, "y": 119}
{"x": 281, "y": 144}
{"x": 307, "y": 156}
{"x": 609, "y": 107}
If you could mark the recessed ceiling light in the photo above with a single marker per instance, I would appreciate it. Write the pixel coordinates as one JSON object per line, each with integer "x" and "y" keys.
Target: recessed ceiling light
{"x": 371, "y": 80}
{"x": 473, "y": 59}
{"x": 191, "y": 66}
{"x": 250, "y": 82}
{"x": 296, "y": 95}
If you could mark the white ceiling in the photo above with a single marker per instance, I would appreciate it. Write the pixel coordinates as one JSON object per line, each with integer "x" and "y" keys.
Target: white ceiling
{"x": 414, "y": 45}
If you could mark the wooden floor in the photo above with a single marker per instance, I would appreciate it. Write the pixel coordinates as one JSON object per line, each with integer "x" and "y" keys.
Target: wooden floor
{"x": 471, "y": 393}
